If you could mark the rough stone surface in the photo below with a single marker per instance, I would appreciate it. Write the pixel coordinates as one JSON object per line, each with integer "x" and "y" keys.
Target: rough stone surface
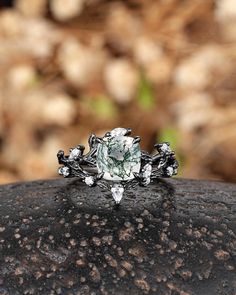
{"x": 175, "y": 237}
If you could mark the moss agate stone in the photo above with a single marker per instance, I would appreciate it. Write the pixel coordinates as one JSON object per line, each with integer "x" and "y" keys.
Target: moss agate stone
{"x": 118, "y": 158}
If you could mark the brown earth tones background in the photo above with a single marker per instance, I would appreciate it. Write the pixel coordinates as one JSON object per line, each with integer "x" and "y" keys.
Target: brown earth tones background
{"x": 165, "y": 68}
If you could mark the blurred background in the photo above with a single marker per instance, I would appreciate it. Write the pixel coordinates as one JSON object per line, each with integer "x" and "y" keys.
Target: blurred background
{"x": 165, "y": 68}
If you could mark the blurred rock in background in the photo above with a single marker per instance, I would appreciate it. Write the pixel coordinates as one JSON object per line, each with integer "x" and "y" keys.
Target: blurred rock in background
{"x": 167, "y": 69}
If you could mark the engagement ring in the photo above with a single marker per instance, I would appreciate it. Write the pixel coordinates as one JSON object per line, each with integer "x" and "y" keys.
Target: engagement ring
{"x": 115, "y": 162}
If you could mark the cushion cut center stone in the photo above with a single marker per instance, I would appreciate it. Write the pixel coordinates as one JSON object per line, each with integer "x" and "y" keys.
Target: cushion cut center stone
{"x": 118, "y": 158}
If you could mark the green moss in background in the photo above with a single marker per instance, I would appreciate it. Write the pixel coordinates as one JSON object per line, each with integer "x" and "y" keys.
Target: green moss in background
{"x": 101, "y": 106}
{"x": 145, "y": 95}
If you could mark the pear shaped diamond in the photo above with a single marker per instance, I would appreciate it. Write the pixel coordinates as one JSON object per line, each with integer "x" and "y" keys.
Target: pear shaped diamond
{"x": 117, "y": 192}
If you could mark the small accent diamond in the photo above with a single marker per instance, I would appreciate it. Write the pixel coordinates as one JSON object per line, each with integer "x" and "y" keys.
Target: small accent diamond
{"x": 147, "y": 171}
{"x": 118, "y": 132}
{"x": 165, "y": 148}
{"x": 65, "y": 171}
{"x": 170, "y": 171}
{"x": 89, "y": 180}
{"x": 117, "y": 192}
{"x": 74, "y": 154}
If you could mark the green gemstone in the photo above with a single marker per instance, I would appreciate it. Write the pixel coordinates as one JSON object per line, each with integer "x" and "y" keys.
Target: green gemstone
{"x": 118, "y": 158}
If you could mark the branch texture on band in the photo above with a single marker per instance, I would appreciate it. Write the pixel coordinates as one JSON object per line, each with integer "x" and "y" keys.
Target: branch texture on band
{"x": 116, "y": 162}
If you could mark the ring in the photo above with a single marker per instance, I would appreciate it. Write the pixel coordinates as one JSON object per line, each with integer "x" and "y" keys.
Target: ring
{"x": 115, "y": 162}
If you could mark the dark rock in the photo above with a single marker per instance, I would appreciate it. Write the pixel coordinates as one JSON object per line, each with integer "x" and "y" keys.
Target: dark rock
{"x": 173, "y": 237}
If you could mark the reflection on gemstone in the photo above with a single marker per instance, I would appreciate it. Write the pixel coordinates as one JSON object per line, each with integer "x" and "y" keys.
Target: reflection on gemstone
{"x": 118, "y": 158}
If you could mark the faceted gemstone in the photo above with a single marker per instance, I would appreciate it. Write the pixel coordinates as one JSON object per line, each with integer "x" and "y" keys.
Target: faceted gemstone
{"x": 147, "y": 171}
{"x": 170, "y": 171}
{"x": 165, "y": 148}
{"x": 65, "y": 171}
{"x": 118, "y": 132}
{"x": 74, "y": 154}
{"x": 89, "y": 180}
{"x": 117, "y": 192}
{"x": 118, "y": 158}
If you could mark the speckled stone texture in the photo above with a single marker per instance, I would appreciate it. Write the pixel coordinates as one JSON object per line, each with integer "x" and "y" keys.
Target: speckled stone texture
{"x": 173, "y": 237}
